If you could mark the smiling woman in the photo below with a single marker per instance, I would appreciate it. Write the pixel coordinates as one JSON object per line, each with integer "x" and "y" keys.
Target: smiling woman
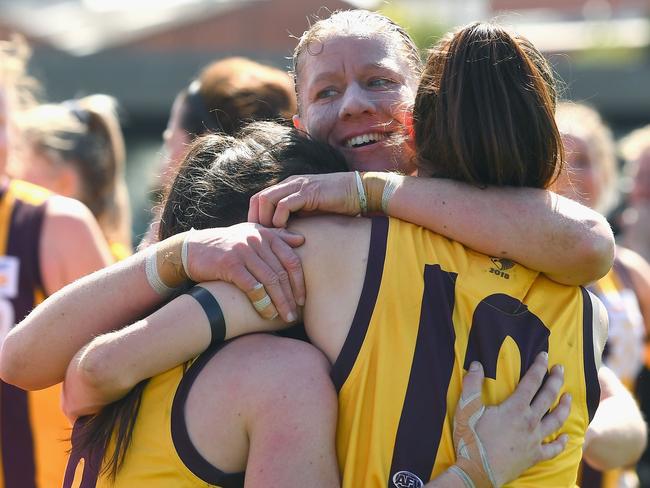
{"x": 358, "y": 75}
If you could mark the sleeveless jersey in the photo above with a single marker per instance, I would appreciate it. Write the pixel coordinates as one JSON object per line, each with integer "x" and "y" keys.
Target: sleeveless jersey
{"x": 33, "y": 430}
{"x": 624, "y": 351}
{"x": 428, "y": 308}
{"x": 161, "y": 454}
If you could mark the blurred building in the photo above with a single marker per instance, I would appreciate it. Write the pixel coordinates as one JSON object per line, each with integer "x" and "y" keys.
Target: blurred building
{"x": 144, "y": 51}
{"x": 571, "y": 7}
{"x": 599, "y": 48}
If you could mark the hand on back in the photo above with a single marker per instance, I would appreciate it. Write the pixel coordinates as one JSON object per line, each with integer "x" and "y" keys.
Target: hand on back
{"x": 500, "y": 442}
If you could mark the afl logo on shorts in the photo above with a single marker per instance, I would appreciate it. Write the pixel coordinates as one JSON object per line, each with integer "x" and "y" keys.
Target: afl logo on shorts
{"x": 404, "y": 479}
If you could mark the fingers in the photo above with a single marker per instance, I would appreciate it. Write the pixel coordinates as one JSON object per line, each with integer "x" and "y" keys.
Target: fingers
{"x": 531, "y": 382}
{"x": 261, "y": 301}
{"x": 255, "y": 291}
{"x": 549, "y": 392}
{"x": 554, "y": 420}
{"x": 292, "y": 238}
{"x": 266, "y": 200}
{"x": 291, "y": 263}
{"x": 266, "y": 207}
{"x": 253, "y": 210}
{"x": 269, "y": 257}
{"x": 271, "y": 281}
{"x": 472, "y": 382}
{"x": 554, "y": 448}
{"x": 286, "y": 206}
{"x": 243, "y": 279}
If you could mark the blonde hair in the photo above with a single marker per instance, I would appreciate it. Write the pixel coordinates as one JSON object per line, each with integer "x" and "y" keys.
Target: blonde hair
{"x": 21, "y": 89}
{"x": 85, "y": 133}
{"x": 584, "y": 122}
{"x": 354, "y": 23}
{"x": 632, "y": 147}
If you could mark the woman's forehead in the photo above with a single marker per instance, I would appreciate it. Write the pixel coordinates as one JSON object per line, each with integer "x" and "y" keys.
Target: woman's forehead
{"x": 340, "y": 53}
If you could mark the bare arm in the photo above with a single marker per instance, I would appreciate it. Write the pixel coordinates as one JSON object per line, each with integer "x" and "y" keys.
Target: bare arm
{"x": 537, "y": 228}
{"x": 568, "y": 242}
{"x": 36, "y": 353}
{"x": 113, "y": 363}
{"x": 71, "y": 245}
{"x": 617, "y": 434}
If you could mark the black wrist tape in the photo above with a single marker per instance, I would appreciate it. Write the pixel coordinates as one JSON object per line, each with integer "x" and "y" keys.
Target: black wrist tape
{"x": 212, "y": 309}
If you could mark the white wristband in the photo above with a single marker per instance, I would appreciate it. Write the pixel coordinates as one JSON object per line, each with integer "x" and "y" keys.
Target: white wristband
{"x": 363, "y": 201}
{"x": 392, "y": 182}
{"x": 467, "y": 481}
{"x": 151, "y": 269}
{"x": 184, "y": 258}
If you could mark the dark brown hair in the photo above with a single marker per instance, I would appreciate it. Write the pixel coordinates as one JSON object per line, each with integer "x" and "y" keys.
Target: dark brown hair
{"x": 221, "y": 173}
{"x": 234, "y": 91}
{"x": 212, "y": 189}
{"x": 484, "y": 111}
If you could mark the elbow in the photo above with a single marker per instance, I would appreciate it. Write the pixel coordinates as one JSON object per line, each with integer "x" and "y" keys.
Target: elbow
{"x": 617, "y": 437}
{"x": 95, "y": 373}
{"x": 598, "y": 252}
{"x": 13, "y": 367}
{"x": 88, "y": 384}
{"x": 601, "y": 455}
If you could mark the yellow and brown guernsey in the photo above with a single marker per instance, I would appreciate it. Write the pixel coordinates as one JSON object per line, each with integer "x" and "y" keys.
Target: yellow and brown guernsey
{"x": 161, "y": 453}
{"x": 428, "y": 308}
{"x": 624, "y": 352}
{"x": 32, "y": 427}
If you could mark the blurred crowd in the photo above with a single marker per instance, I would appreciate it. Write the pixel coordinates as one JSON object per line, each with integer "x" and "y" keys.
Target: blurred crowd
{"x": 75, "y": 149}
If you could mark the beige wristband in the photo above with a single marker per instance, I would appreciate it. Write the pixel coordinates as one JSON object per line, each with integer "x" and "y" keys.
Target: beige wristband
{"x": 153, "y": 278}
{"x": 380, "y": 188}
{"x": 169, "y": 261}
{"x": 373, "y": 183}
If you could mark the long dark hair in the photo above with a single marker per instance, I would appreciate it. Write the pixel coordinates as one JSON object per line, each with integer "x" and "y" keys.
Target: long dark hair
{"x": 484, "y": 111}
{"x": 212, "y": 188}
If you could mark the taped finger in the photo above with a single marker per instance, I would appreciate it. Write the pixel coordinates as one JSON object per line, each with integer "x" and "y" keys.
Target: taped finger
{"x": 262, "y": 302}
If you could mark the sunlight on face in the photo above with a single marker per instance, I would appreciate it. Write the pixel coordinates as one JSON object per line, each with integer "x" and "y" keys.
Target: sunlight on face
{"x": 356, "y": 94}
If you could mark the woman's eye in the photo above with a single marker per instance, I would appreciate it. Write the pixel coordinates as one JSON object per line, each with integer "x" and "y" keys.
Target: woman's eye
{"x": 326, "y": 93}
{"x": 380, "y": 82}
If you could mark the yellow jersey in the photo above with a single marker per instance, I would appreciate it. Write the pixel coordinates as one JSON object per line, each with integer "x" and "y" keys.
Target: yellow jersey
{"x": 161, "y": 454}
{"x": 624, "y": 352}
{"x": 33, "y": 430}
{"x": 429, "y": 307}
